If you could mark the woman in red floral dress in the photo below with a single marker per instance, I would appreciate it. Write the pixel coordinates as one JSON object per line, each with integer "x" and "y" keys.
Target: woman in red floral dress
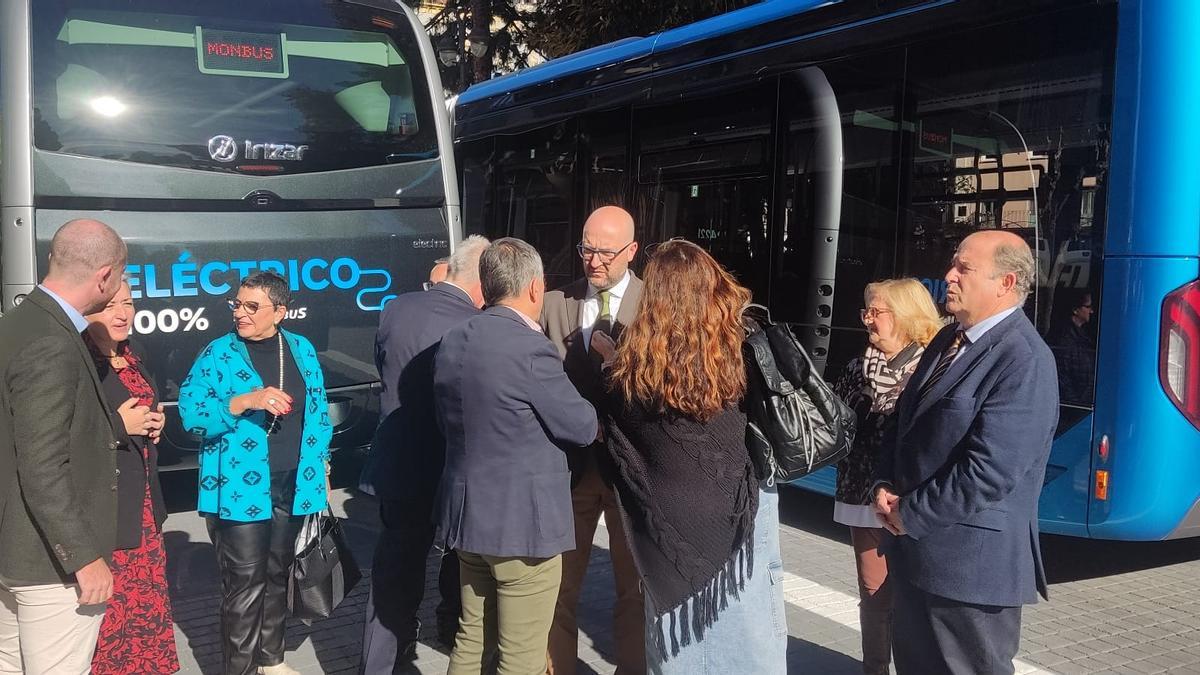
{"x": 137, "y": 635}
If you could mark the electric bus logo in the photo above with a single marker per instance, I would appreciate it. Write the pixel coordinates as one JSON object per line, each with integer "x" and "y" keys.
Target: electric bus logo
{"x": 188, "y": 277}
{"x": 222, "y": 148}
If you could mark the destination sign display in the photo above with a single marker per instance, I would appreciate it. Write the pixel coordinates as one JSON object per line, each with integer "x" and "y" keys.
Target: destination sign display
{"x": 231, "y": 52}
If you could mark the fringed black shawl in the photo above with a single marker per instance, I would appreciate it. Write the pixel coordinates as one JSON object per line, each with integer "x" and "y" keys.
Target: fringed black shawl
{"x": 688, "y": 495}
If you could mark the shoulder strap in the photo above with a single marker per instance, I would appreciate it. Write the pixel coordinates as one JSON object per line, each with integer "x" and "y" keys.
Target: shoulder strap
{"x": 764, "y": 360}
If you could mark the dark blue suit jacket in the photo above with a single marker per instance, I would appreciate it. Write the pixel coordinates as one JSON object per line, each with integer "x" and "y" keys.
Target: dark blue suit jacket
{"x": 408, "y": 450}
{"x": 969, "y": 460}
{"x": 508, "y": 412}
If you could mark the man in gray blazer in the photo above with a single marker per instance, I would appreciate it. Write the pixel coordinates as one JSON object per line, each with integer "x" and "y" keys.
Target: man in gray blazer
{"x": 58, "y": 475}
{"x": 509, "y": 415}
{"x": 605, "y": 300}
{"x": 960, "y": 476}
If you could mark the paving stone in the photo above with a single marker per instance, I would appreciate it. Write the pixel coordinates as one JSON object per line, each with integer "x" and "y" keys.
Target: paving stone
{"x": 1132, "y": 616}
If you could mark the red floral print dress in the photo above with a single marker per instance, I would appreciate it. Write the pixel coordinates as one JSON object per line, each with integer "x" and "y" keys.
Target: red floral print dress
{"x": 138, "y": 635}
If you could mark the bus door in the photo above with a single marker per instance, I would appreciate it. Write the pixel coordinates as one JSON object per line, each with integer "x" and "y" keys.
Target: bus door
{"x": 840, "y": 134}
{"x": 838, "y": 138}
{"x": 703, "y": 173}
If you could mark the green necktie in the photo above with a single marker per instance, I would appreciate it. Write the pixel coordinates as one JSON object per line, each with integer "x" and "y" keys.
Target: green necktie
{"x": 604, "y": 321}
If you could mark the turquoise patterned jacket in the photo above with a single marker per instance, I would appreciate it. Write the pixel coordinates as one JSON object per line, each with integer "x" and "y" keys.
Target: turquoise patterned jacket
{"x": 235, "y": 475}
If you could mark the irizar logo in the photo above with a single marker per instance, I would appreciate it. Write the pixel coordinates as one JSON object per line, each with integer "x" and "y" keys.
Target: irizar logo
{"x": 222, "y": 148}
{"x": 225, "y": 149}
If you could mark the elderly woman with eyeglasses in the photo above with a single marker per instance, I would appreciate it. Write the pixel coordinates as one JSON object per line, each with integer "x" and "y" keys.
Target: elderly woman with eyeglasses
{"x": 257, "y": 398}
{"x": 901, "y": 319}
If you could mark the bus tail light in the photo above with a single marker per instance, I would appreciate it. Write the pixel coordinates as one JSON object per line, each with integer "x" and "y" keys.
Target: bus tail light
{"x": 1102, "y": 485}
{"x": 1179, "y": 350}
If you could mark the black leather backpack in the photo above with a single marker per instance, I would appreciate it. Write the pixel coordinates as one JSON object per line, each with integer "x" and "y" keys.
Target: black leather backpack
{"x": 796, "y": 423}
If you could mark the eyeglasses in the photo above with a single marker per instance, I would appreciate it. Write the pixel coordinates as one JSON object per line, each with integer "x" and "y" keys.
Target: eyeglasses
{"x": 249, "y": 305}
{"x": 871, "y": 313}
{"x": 605, "y": 257}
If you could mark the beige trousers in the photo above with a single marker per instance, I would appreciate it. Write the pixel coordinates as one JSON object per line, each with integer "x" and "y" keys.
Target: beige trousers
{"x": 590, "y": 499}
{"x": 45, "y": 631}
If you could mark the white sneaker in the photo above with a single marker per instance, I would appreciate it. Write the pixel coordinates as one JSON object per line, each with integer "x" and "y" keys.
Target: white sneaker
{"x": 280, "y": 669}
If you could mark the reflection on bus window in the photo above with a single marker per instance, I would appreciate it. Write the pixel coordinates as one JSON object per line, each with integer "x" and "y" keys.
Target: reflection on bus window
{"x": 1015, "y": 139}
{"x": 171, "y": 85}
{"x": 1072, "y": 339}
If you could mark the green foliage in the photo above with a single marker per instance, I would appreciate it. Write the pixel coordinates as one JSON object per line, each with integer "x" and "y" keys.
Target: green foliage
{"x": 551, "y": 28}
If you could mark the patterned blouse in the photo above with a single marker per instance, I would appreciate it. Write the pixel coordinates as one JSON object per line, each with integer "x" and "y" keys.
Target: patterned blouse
{"x": 235, "y": 474}
{"x": 871, "y": 385}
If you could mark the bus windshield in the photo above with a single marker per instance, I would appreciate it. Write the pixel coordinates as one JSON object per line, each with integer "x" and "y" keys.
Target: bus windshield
{"x": 221, "y": 86}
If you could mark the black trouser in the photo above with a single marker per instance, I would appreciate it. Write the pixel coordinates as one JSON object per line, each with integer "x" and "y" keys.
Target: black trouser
{"x": 933, "y": 635}
{"x": 255, "y": 559}
{"x": 398, "y": 586}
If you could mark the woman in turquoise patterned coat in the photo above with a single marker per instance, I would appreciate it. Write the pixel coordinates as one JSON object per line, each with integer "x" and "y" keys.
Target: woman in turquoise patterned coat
{"x": 257, "y": 398}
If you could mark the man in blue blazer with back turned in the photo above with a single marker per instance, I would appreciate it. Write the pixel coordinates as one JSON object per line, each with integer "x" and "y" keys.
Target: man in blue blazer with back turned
{"x": 509, "y": 415}
{"x": 961, "y": 472}
{"x": 406, "y": 463}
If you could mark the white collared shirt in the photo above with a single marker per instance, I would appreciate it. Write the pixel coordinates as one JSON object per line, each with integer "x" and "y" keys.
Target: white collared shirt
{"x": 976, "y": 332}
{"x": 589, "y": 309}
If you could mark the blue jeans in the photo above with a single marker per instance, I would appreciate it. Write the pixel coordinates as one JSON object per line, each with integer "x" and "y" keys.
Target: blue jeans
{"x": 750, "y": 635}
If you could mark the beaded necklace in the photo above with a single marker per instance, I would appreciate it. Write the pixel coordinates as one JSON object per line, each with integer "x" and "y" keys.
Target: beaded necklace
{"x": 272, "y": 427}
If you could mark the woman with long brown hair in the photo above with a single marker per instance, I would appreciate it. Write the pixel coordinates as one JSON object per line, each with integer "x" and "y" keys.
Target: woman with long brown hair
{"x": 702, "y": 532}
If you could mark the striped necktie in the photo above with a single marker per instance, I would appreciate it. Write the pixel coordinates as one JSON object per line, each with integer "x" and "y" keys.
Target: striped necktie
{"x": 943, "y": 364}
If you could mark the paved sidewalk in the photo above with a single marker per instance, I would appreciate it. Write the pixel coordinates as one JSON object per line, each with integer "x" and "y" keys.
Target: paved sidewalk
{"x": 1116, "y": 607}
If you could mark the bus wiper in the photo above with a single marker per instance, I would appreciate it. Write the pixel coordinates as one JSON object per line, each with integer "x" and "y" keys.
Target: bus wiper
{"x": 409, "y": 156}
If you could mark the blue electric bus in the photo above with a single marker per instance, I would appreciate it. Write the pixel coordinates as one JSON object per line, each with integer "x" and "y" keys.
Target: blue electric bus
{"x": 306, "y": 137}
{"x": 814, "y": 146}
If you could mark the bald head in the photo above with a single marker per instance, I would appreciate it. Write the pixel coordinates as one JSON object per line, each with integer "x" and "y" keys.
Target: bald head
{"x": 610, "y": 220}
{"x": 87, "y": 261}
{"x": 609, "y": 246}
{"x": 993, "y": 271}
{"x": 81, "y": 247}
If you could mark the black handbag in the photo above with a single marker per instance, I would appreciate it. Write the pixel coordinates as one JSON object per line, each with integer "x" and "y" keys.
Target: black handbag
{"x": 796, "y": 423}
{"x": 324, "y": 569}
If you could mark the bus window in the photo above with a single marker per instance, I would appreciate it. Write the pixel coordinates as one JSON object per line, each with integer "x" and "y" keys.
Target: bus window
{"x": 476, "y": 162}
{"x": 535, "y": 196}
{"x": 1014, "y": 135}
{"x": 703, "y": 174}
{"x": 840, "y": 190}
{"x": 605, "y": 138}
{"x": 184, "y": 85}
